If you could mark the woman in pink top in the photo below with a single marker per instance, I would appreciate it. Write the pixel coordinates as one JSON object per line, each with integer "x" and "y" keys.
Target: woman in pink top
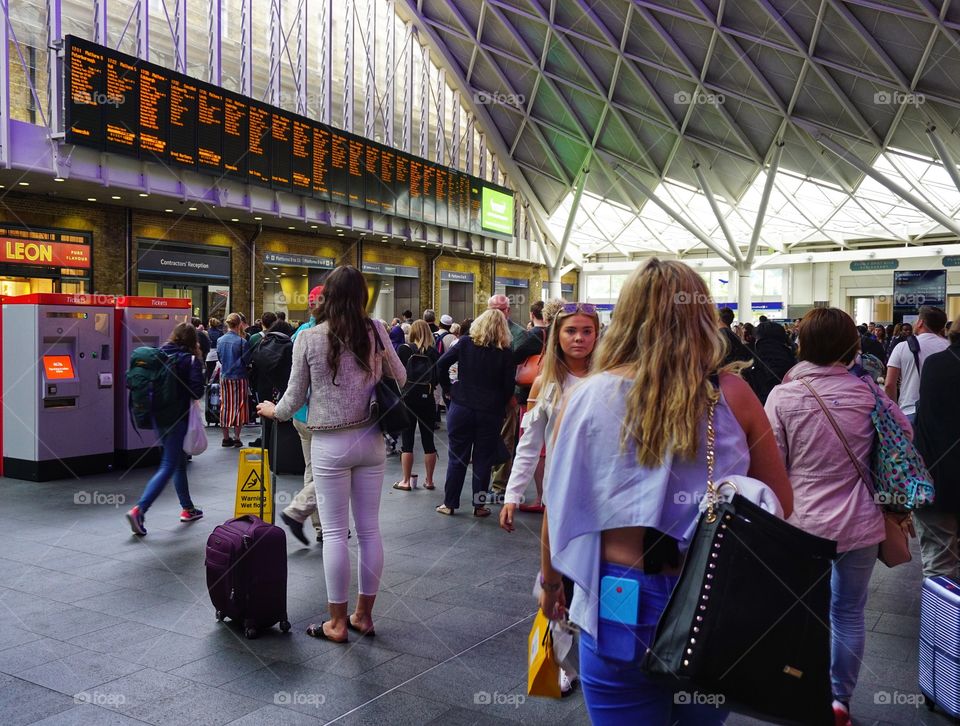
{"x": 829, "y": 497}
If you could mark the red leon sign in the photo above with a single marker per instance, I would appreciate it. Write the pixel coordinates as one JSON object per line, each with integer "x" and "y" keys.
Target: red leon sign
{"x": 51, "y": 254}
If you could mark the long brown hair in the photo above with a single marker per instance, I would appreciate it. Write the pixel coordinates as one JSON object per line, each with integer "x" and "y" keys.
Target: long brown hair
{"x": 344, "y": 308}
{"x": 184, "y": 335}
{"x": 665, "y": 334}
{"x": 554, "y": 362}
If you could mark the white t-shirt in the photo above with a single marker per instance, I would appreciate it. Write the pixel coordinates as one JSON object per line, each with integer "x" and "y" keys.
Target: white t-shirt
{"x": 902, "y": 358}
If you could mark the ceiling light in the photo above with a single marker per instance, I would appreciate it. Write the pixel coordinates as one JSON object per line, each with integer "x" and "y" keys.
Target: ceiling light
{"x": 24, "y": 184}
{"x": 234, "y": 219}
{"x": 167, "y": 210}
{"x": 313, "y": 226}
{"x": 422, "y": 246}
{"x": 115, "y": 196}
{"x": 144, "y": 194}
{"x": 58, "y": 179}
{"x": 257, "y": 219}
{"x": 91, "y": 199}
{"x": 339, "y": 230}
{"x": 192, "y": 209}
{"x": 291, "y": 227}
{"x": 302, "y": 275}
{"x": 274, "y": 268}
{"x": 340, "y": 235}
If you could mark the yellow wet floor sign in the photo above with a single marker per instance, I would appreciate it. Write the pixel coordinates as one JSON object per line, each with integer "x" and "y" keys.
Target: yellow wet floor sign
{"x": 249, "y": 484}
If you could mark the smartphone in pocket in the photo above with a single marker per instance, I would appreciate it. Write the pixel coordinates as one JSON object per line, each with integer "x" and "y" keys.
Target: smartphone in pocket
{"x": 617, "y": 635}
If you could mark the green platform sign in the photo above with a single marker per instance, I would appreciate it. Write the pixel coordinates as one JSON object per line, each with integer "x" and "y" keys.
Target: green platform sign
{"x": 496, "y": 211}
{"x": 863, "y": 265}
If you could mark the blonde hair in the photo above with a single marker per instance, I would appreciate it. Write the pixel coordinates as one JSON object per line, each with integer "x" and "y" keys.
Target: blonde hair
{"x": 491, "y": 329}
{"x": 665, "y": 334}
{"x": 420, "y": 335}
{"x": 551, "y": 308}
{"x": 233, "y": 321}
{"x": 555, "y": 367}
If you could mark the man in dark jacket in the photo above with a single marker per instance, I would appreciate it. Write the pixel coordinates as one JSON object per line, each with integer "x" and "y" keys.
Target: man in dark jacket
{"x": 736, "y": 350}
{"x": 282, "y": 326}
{"x": 773, "y": 358}
{"x": 936, "y": 435}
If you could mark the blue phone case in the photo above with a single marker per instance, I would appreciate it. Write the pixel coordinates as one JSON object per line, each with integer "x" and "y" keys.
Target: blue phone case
{"x": 617, "y": 635}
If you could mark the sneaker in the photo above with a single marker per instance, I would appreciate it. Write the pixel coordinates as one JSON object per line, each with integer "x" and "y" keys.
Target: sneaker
{"x": 566, "y": 683}
{"x": 257, "y": 443}
{"x": 188, "y": 515}
{"x": 841, "y": 714}
{"x": 135, "y": 518}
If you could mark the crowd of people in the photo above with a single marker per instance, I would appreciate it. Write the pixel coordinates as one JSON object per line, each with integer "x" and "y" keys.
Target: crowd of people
{"x": 608, "y": 426}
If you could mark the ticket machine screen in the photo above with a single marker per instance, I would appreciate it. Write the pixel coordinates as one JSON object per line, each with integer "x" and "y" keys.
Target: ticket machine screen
{"x": 58, "y": 367}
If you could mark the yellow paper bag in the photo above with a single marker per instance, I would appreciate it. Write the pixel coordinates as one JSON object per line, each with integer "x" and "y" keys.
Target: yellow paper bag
{"x": 543, "y": 672}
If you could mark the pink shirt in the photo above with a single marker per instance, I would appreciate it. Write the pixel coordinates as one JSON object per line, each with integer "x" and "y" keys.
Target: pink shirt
{"x": 829, "y": 498}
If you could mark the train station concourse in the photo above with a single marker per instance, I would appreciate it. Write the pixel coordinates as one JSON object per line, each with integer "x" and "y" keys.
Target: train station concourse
{"x": 538, "y": 361}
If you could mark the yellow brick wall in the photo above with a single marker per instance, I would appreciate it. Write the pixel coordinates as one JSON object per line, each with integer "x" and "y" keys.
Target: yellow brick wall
{"x": 388, "y": 254}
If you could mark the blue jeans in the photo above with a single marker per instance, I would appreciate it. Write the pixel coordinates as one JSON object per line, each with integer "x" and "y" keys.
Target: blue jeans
{"x": 848, "y": 584}
{"x": 173, "y": 463}
{"x": 470, "y": 435}
{"x": 619, "y": 692}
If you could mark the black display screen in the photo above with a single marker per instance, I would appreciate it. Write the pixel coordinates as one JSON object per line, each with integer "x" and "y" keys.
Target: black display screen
{"x": 118, "y": 103}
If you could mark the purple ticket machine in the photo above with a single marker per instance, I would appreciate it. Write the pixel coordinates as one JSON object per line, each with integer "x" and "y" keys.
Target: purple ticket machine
{"x": 141, "y": 321}
{"x": 58, "y": 385}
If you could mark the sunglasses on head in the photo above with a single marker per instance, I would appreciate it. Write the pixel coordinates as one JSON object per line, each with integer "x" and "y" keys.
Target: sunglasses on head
{"x": 579, "y": 307}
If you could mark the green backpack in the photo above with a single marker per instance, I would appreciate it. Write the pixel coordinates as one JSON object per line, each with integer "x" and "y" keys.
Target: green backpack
{"x": 154, "y": 388}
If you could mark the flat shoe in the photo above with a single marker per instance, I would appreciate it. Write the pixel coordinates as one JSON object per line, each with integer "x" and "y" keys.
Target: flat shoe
{"x": 356, "y": 628}
{"x": 444, "y": 509}
{"x": 316, "y": 631}
{"x": 399, "y": 485}
{"x": 429, "y": 486}
{"x": 481, "y": 512}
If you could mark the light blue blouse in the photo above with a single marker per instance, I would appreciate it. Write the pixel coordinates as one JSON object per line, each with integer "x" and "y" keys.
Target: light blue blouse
{"x": 596, "y": 486}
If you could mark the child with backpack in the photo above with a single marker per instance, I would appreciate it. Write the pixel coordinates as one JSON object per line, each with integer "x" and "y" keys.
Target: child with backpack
{"x": 164, "y": 382}
{"x": 419, "y": 358}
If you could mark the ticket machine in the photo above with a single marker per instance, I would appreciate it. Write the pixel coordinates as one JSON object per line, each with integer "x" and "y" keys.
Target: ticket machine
{"x": 58, "y": 385}
{"x": 141, "y": 321}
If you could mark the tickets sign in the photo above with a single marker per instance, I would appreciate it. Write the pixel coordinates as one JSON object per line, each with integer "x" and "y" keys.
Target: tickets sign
{"x": 58, "y": 367}
{"x": 50, "y": 254}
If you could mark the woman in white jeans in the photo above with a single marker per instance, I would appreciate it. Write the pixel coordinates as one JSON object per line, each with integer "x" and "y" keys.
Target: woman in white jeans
{"x": 336, "y": 364}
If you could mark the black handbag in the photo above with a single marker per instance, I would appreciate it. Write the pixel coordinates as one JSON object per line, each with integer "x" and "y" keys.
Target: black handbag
{"x": 387, "y": 406}
{"x": 750, "y": 615}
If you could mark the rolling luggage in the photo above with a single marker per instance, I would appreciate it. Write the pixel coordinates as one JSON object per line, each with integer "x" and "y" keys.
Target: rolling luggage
{"x": 246, "y": 563}
{"x": 939, "y": 666}
{"x": 283, "y": 442}
{"x": 212, "y": 405}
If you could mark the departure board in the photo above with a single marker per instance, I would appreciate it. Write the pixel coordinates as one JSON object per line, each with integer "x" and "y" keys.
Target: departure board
{"x": 124, "y": 105}
{"x": 183, "y": 122}
{"x": 210, "y": 131}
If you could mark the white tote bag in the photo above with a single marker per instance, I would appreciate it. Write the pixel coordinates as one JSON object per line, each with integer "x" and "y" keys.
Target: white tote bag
{"x": 195, "y": 441}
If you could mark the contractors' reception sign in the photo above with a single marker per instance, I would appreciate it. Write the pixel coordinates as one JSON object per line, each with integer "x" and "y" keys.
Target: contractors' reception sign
{"x": 53, "y": 254}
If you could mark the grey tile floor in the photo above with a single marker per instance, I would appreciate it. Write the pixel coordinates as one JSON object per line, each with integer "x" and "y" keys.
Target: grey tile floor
{"x": 99, "y": 627}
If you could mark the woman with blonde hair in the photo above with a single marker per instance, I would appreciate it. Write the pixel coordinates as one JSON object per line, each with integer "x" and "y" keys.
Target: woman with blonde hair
{"x": 485, "y": 380}
{"x": 627, "y": 469}
{"x": 419, "y": 358}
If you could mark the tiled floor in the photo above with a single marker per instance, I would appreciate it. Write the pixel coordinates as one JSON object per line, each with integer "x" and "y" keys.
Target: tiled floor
{"x": 99, "y": 627}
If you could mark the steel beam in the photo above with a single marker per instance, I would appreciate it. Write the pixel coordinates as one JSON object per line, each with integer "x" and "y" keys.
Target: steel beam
{"x": 945, "y": 156}
{"x": 410, "y": 42}
{"x": 764, "y": 201}
{"x": 555, "y": 287}
{"x": 857, "y": 163}
{"x": 391, "y": 78}
{"x": 708, "y": 193}
{"x": 302, "y": 72}
{"x": 214, "y": 39}
{"x": 101, "y": 32}
{"x": 424, "y": 100}
{"x": 326, "y": 61}
{"x": 440, "y": 152}
{"x": 370, "y": 77}
{"x": 538, "y": 236}
{"x": 143, "y": 32}
{"x": 455, "y": 144}
{"x": 54, "y": 66}
{"x": 274, "y": 85}
{"x": 180, "y": 35}
{"x": 629, "y": 175}
{"x": 470, "y": 143}
{"x": 246, "y": 48}
{"x": 348, "y": 13}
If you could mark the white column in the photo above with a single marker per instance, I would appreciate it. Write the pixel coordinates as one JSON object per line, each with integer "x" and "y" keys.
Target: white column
{"x": 744, "y": 298}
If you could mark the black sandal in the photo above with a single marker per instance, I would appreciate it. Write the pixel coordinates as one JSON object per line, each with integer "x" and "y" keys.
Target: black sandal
{"x": 316, "y": 631}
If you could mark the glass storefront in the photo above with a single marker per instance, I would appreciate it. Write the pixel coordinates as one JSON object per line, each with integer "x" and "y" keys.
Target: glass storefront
{"x": 393, "y": 289}
{"x": 194, "y": 272}
{"x": 44, "y": 260}
{"x": 288, "y": 280}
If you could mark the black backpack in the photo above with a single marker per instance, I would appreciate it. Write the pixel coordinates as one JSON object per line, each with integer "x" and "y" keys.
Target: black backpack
{"x": 271, "y": 362}
{"x": 438, "y": 339}
{"x": 419, "y": 374}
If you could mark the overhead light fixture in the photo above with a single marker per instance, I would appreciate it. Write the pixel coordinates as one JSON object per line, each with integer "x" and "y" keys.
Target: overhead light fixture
{"x": 291, "y": 227}
{"x": 58, "y": 179}
{"x": 257, "y": 219}
{"x": 339, "y": 230}
{"x": 234, "y": 219}
{"x": 144, "y": 194}
{"x": 91, "y": 199}
{"x": 115, "y": 196}
{"x": 340, "y": 234}
{"x": 313, "y": 226}
{"x": 192, "y": 209}
{"x": 24, "y": 184}
{"x": 303, "y": 275}
{"x": 422, "y": 246}
{"x": 167, "y": 210}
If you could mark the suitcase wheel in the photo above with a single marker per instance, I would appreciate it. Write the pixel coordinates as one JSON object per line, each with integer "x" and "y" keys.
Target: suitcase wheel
{"x": 219, "y": 615}
{"x": 284, "y": 626}
{"x": 250, "y": 633}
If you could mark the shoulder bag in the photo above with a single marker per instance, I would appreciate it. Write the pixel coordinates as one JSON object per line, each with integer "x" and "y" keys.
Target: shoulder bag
{"x": 528, "y": 371}
{"x": 750, "y": 615}
{"x": 895, "y": 548}
{"x": 387, "y": 405}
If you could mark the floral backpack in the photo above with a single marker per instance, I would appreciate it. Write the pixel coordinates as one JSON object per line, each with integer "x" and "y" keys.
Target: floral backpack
{"x": 900, "y": 478}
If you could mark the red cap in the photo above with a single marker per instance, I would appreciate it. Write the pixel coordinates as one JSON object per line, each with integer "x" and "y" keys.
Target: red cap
{"x": 313, "y": 298}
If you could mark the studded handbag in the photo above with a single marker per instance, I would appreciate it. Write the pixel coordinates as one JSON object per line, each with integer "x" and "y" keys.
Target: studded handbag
{"x": 749, "y": 619}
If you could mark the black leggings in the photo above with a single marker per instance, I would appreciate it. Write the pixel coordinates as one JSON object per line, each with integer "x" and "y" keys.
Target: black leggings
{"x": 422, "y": 411}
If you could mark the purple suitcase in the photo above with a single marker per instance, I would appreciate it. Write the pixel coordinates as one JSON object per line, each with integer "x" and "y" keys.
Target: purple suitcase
{"x": 939, "y": 666}
{"x": 247, "y": 573}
